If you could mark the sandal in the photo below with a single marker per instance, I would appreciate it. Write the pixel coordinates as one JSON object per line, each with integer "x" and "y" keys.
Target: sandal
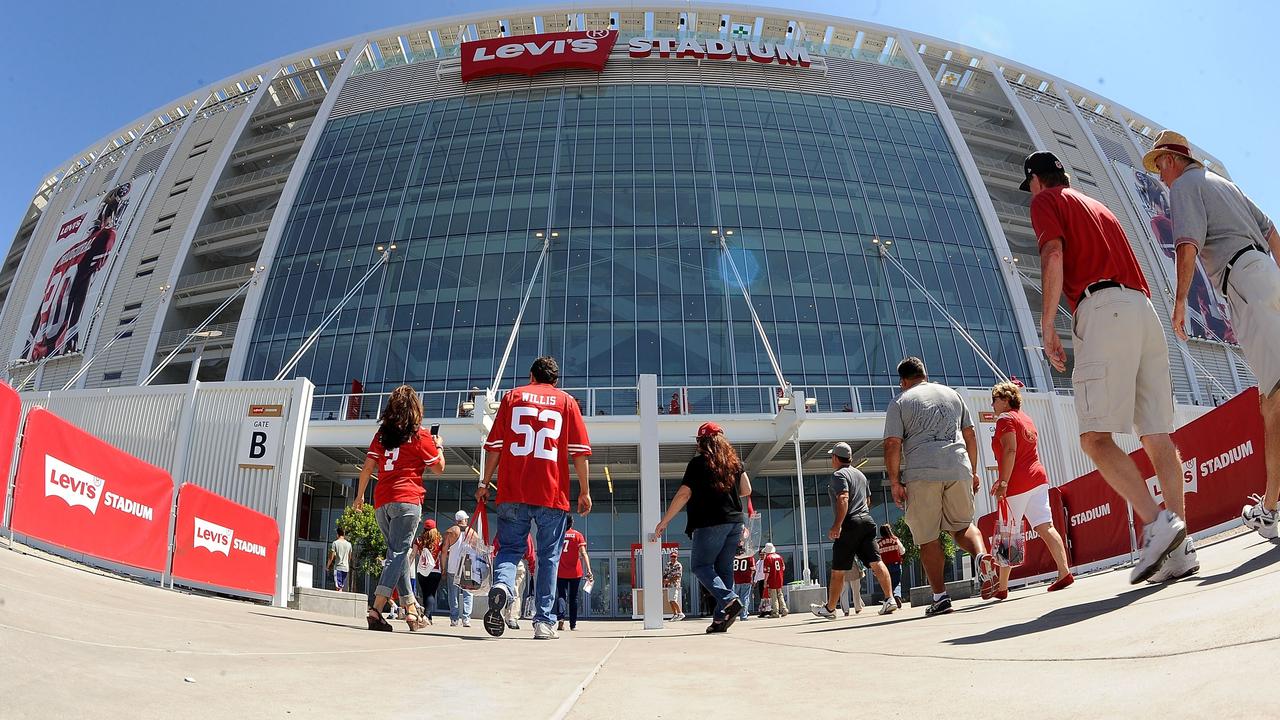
{"x": 377, "y": 622}
{"x": 415, "y": 621}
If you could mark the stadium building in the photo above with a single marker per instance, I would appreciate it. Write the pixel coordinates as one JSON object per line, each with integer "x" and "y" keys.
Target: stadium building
{"x": 766, "y": 209}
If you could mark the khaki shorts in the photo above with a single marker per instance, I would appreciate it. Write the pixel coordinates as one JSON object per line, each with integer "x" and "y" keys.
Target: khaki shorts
{"x": 1254, "y": 293}
{"x": 934, "y": 506}
{"x": 1121, "y": 375}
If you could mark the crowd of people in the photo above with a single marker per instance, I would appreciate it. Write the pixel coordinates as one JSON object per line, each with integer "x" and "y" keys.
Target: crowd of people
{"x": 1122, "y": 383}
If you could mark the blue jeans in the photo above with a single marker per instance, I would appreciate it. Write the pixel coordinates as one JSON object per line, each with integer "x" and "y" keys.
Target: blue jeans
{"x": 895, "y": 578}
{"x": 513, "y": 530}
{"x": 712, "y": 558}
{"x": 398, "y": 523}
{"x": 459, "y": 601}
{"x": 743, "y": 591}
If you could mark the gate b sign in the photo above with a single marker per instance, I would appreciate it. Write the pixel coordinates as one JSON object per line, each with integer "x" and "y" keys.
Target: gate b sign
{"x": 260, "y": 437}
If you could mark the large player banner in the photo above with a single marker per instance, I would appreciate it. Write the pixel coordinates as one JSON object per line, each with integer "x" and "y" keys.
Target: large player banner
{"x": 1207, "y": 313}
{"x": 221, "y": 543}
{"x": 79, "y": 492}
{"x": 74, "y": 272}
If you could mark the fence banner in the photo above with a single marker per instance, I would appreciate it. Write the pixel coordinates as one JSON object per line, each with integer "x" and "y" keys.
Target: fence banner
{"x": 224, "y": 544}
{"x": 10, "y": 416}
{"x": 83, "y": 494}
{"x": 1223, "y": 462}
{"x": 1097, "y": 520}
{"x": 1038, "y": 559}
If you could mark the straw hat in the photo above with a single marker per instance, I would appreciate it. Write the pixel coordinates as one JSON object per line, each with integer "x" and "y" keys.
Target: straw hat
{"x": 1167, "y": 141}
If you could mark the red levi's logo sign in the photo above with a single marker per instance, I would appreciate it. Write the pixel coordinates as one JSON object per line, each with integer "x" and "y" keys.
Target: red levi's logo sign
{"x": 70, "y": 227}
{"x": 79, "y": 492}
{"x": 224, "y": 544}
{"x": 10, "y": 417}
{"x": 536, "y": 54}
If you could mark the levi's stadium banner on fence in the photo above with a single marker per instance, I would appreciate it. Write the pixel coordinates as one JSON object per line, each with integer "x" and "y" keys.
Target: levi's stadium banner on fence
{"x": 83, "y": 494}
{"x": 10, "y": 416}
{"x": 224, "y": 544}
{"x": 1207, "y": 313}
{"x": 536, "y": 54}
{"x": 1038, "y": 560}
{"x": 74, "y": 272}
{"x": 1220, "y": 469}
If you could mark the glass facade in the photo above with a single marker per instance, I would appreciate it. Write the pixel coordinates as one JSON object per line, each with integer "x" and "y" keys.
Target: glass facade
{"x": 629, "y": 182}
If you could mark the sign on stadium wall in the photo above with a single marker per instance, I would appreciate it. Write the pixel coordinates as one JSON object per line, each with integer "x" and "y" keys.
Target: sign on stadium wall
{"x": 221, "y": 543}
{"x": 59, "y": 311}
{"x": 741, "y": 50}
{"x": 536, "y": 54}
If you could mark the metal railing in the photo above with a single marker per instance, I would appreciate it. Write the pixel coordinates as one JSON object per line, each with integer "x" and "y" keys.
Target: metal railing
{"x": 1012, "y": 209}
{"x": 255, "y": 143}
{"x": 240, "y": 181}
{"x": 223, "y": 226}
{"x": 234, "y": 274}
{"x": 170, "y": 338}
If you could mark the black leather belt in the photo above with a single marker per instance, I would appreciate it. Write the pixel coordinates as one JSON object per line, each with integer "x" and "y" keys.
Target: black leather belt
{"x": 1226, "y": 273}
{"x": 1097, "y": 287}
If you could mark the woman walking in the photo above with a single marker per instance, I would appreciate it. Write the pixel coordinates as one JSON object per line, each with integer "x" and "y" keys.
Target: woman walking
{"x": 1023, "y": 482}
{"x": 713, "y": 487}
{"x": 427, "y": 552}
{"x": 891, "y": 551}
{"x": 400, "y": 451}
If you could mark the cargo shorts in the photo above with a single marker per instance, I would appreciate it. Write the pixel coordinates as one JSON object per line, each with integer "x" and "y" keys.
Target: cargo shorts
{"x": 934, "y": 506}
{"x": 1253, "y": 289}
{"x": 1121, "y": 375}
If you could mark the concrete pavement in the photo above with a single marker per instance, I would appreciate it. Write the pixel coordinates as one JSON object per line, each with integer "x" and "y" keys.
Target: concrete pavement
{"x": 76, "y": 643}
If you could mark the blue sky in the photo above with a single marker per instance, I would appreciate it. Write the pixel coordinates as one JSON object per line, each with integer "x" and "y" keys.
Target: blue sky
{"x": 76, "y": 74}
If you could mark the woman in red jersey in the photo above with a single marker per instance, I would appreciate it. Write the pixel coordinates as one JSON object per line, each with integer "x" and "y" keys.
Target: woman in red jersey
{"x": 400, "y": 451}
{"x": 1023, "y": 481}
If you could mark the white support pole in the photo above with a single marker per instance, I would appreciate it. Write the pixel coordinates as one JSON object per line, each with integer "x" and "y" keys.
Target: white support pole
{"x": 650, "y": 502}
{"x": 804, "y": 520}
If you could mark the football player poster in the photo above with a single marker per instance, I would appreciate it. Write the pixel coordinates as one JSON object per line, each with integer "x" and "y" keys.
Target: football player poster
{"x": 75, "y": 269}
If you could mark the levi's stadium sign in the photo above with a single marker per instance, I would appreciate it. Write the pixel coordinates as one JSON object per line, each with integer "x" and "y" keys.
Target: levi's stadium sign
{"x": 590, "y": 49}
{"x": 536, "y": 54}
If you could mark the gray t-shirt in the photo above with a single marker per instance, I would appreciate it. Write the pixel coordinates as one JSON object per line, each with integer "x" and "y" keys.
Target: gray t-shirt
{"x": 341, "y": 554}
{"x": 850, "y": 480}
{"x": 1212, "y": 213}
{"x": 929, "y": 418}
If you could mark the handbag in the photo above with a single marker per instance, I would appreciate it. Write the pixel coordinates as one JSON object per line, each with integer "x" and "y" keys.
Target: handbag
{"x": 1008, "y": 544}
{"x": 475, "y": 572}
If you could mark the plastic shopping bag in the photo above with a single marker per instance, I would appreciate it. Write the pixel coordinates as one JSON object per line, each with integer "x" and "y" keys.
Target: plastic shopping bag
{"x": 1008, "y": 544}
{"x": 475, "y": 573}
{"x": 751, "y": 532}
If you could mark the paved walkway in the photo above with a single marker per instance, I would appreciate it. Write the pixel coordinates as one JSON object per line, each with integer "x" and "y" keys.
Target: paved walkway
{"x": 75, "y": 643}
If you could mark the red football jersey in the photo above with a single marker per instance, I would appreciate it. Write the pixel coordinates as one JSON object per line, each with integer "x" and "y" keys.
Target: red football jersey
{"x": 775, "y": 570}
{"x": 1028, "y": 473}
{"x": 571, "y": 556}
{"x": 537, "y": 428}
{"x": 400, "y": 469}
{"x": 742, "y": 570}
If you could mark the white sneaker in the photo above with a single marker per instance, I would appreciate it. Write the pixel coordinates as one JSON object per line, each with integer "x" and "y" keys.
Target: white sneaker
{"x": 544, "y": 631}
{"x": 1159, "y": 539}
{"x": 821, "y": 611}
{"x": 1259, "y": 518}
{"x": 466, "y": 622}
{"x": 888, "y": 606}
{"x": 1181, "y": 563}
{"x": 677, "y": 617}
{"x": 453, "y": 623}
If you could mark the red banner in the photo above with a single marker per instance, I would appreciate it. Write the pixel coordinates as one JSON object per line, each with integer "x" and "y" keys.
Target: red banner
{"x": 221, "y": 543}
{"x": 1038, "y": 559}
{"x": 536, "y": 54}
{"x": 1097, "y": 520}
{"x": 10, "y": 416}
{"x": 79, "y": 492}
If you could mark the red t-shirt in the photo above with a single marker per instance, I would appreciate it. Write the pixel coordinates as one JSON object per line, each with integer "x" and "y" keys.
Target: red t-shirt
{"x": 537, "y": 428}
{"x": 743, "y": 569}
{"x": 1094, "y": 244}
{"x": 775, "y": 570}
{"x": 1027, "y": 470}
{"x": 889, "y": 553}
{"x": 400, "y": 469}
{"x": 571, "y": 555}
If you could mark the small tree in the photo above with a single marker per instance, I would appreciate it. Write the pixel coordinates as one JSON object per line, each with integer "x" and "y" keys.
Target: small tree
{"x": 367, "y": 544}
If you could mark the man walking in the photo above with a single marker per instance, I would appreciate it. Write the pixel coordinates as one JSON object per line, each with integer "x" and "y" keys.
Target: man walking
{"x": 537, "y": 431}
{"x": 931, "y": 456}
{"x": 775, "y": 573}
{"x": 340, "y": 560}
{"x": 1213, "y": 219}
{"x": 460, "y": 601}
{"x": 853, "y": 533}
{"x": 672, "y": 576}
{"x": 1121, "y": 374}
{"x": 743, "y": 570}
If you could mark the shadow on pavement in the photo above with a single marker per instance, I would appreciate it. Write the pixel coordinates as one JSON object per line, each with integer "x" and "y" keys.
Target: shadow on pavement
{"x": 1061, "y": 617}
{"x": 1256, "y": 562}
{"x": 403, "y": 631}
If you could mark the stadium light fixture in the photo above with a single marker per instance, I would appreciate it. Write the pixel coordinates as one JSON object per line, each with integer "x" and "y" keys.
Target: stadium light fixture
{"x": 538, "y": 234}
{"x": 784, "y": 401}
{"x": 468, "y": 406}
{"x": 810, "y": 403}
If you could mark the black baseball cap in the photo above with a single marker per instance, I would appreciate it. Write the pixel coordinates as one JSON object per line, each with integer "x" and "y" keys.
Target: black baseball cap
{"x": 1036, "y": 163}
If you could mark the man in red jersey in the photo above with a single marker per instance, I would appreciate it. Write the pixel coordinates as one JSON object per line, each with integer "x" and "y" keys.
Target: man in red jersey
{"x": 538, "y": 429}
{"x": 775, "y": 571}
{"x": 1121, "y": 375}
